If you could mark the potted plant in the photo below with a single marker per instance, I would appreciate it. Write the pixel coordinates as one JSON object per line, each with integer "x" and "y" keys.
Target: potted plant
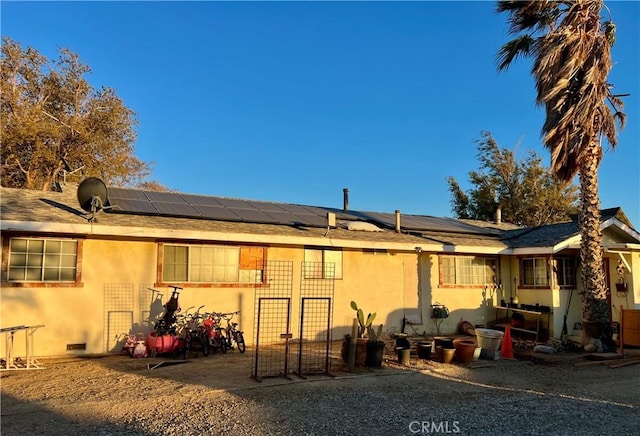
{"x": 374, "y": 347}
{"x": 363, "y": 324}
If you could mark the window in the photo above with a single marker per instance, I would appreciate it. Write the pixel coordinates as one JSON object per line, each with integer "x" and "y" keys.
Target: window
{"x": 322, "y": 264}
{"x": 42, "y": 260}
{"x": 534, "y": 272}
{"x": 468, "y": 270}
{"x": 565, "y": 269}
{"x": 211, "y": 264}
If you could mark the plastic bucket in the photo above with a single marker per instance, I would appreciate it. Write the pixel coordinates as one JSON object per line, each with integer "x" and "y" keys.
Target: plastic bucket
{"x": 489, "y": 339}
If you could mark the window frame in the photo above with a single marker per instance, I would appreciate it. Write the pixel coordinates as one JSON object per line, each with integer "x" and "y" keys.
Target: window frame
{"x": 248, "y": 256}
{"x": 535, "y": 285}
{"x": 6, "y": 262}
{"x": 573, "y": 266}
{"x": 456, "y": 275}
{"x": 321, "y": 255}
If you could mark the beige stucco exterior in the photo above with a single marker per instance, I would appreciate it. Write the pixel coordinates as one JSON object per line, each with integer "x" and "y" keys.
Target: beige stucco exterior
{"x": 393, "y": 274}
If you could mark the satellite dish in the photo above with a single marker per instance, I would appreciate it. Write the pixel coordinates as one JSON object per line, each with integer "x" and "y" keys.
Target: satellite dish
{"x": 92, "y": 195}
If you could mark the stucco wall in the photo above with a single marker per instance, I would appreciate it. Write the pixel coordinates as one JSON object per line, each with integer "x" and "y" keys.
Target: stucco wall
{"x": 385, "y": 283}
{"x": 395, "y": 285}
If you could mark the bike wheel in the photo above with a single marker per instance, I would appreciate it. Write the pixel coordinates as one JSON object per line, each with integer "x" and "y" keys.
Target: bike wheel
{"x": 240, "y": 342}
{"x": 223, "y": 345}
{"x": 187, "y": 347}
{"x": 205, "y": 345}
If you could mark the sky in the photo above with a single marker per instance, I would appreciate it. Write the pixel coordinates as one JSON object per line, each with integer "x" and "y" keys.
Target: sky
{"x": 295, "y": 101}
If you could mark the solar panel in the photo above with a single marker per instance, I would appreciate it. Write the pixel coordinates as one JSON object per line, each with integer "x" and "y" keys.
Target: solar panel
{"x": 130, "y": 194}
{"x": 201, "y": 200}
{"x": 314, "y": 220}
{"x": 422, "y": 222}
{"x": 216, "y": 213}
{"x": 284, "y": 217}
{"x": 298, "y": 210}
{"x": 232, "y": 203}
{"x": 165, "y": 197}
{"x": 252, "y": 216}
{"x": 132, "y": 206}
{"x": 270, "y": 207}
{"x": 175, "y": 209}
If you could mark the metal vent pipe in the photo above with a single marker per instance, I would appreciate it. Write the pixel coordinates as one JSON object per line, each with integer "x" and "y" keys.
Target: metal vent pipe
{"x": 345, "y": 204}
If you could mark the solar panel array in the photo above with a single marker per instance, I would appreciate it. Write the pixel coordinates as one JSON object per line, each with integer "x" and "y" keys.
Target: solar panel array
{"x": 231, "y": 209}
{"x": 428, "y": 223}
{"x": 215, "y": 208}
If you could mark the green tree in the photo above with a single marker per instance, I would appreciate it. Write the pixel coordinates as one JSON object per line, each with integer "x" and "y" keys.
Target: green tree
{"x": 53, "y": 121}
{"x": 571, "y": 50}
{"x": 528, "y": 194}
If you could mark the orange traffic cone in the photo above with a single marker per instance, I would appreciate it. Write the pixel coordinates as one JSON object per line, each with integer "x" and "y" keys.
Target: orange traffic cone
{"x": 507, "y": 347}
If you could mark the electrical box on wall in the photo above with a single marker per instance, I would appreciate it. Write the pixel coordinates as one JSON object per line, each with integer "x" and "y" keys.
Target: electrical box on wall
{"x": 76, "y": 347}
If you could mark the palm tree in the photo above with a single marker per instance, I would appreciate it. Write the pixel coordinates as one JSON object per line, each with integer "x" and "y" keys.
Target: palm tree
{"x": 570, "y": 47}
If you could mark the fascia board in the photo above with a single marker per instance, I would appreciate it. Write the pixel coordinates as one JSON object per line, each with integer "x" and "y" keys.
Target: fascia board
{"x": 532, "y": 250}
{"x": 622, "y": 226}
{"x": 569, "y": 243}
{"x": 149, "y": 233}
{"x": 466, "y": 249}
{"x": 624, "y": 246}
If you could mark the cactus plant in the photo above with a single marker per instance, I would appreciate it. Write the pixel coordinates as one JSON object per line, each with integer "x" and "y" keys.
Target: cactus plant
{"x": 363, "y": 323}
{"x": 373, "y": 334}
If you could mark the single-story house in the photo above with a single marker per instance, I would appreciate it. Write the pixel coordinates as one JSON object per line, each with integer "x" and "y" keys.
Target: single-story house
{"x": 90, "y": 276}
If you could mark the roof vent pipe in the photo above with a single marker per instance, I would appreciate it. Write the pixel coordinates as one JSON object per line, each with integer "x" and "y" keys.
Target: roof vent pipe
{"x": 498, "y": 215}
{"x": 397, "y": 221}
{"x": 345, "y": 193}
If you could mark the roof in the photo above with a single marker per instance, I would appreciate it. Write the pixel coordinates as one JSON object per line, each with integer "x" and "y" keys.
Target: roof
{"x": 549, "y": 235}
{"x": 60, "y": 212}
{"x": 166, "y": 216}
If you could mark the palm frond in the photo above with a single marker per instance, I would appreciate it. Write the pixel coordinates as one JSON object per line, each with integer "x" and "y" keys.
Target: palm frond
{"x": 621, "y": 118}
{"x": 522, "y": 46}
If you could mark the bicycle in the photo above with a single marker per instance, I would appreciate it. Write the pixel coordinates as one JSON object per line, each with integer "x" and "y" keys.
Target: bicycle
{"x": 194, "y": 334}
{"x": 214, "y": 332}
{"x": 233, "y": 334}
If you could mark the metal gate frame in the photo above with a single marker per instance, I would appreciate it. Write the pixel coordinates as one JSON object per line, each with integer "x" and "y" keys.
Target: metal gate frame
{"x": 286, "y": 336}
{"x": 273, "y": 285}
{"x": 317, "y": 283}
{"x": 327, "y": 345}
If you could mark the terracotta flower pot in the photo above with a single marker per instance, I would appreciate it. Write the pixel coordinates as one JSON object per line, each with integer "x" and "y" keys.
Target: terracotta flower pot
{"x": 465, "y": 350}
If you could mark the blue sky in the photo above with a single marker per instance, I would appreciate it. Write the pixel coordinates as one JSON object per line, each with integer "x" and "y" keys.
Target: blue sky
{"x": 294, "y": 101}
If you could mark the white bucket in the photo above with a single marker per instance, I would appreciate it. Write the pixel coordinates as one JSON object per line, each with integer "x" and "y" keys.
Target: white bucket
{"x": 489, "y": 339}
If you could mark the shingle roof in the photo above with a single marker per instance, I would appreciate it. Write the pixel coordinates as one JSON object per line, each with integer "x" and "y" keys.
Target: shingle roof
{"x": 553, "y": 234}
{"x": 543, "y": 236}
{"x": 21, "y": 205}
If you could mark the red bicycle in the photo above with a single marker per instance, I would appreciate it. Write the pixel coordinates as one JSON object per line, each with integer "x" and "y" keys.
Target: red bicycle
{"x": 214, "y": 332}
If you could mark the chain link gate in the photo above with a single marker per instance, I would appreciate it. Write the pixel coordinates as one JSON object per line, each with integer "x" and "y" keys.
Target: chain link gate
{"x": 316, "y": 317}
{"x": 272, "y": 320}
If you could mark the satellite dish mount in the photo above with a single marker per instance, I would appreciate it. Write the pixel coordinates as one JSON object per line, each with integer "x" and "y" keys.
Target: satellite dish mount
{"x": 92, "y": 196}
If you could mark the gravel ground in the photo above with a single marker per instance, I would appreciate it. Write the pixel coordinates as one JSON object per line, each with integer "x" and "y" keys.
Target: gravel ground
{"x": 117, "y": 395}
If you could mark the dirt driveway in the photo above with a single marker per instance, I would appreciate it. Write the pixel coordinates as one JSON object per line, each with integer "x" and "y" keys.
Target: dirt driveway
{"x": 120, "y": 395}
